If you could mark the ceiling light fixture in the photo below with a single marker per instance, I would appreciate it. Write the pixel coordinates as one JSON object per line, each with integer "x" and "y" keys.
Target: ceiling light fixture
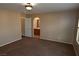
{"x": 33, "y": 4}
{"x": 28, "y": 6}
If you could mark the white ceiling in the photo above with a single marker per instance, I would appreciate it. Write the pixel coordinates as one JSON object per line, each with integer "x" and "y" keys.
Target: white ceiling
{"x": 40, "y": 7}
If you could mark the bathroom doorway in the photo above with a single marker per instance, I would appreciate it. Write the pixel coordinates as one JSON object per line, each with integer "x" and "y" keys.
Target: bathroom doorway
{"x": 36, "y": 27}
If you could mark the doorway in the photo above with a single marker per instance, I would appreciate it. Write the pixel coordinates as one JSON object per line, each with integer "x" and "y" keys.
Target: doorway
{"x": 36, "y": 27}
{"x": 28, "y": 27}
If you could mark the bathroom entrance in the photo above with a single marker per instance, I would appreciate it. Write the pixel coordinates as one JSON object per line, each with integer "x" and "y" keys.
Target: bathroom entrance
{"x": 36, "y": 27}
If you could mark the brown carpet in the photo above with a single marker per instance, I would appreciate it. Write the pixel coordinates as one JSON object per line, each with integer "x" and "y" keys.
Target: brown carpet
{"x": 36, "y": 47}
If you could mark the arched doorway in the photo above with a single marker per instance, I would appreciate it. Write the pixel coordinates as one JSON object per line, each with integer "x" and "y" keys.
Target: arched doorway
{"x": 36, "y": 27}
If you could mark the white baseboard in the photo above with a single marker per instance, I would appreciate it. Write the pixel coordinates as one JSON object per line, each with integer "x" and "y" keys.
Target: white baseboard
{"x": 10, "y": 42}
{"x": 57, "y": 41}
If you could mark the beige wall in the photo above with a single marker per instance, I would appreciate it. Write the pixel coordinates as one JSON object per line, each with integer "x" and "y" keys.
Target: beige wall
{"x": 57, "y": 26}
{"x": 23, "y": 24}
{"x": 10, "y": 27}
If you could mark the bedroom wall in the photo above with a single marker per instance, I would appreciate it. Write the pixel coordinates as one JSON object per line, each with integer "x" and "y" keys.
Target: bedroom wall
{"x": 23, "y": 24}
{"x": 10, "y": 26}
{"x": 57, "y": 26}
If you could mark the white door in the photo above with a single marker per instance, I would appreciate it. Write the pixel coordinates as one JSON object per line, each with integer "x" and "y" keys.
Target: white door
{"x": 28, "y": 27}
{"x": 77, "y": 38}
